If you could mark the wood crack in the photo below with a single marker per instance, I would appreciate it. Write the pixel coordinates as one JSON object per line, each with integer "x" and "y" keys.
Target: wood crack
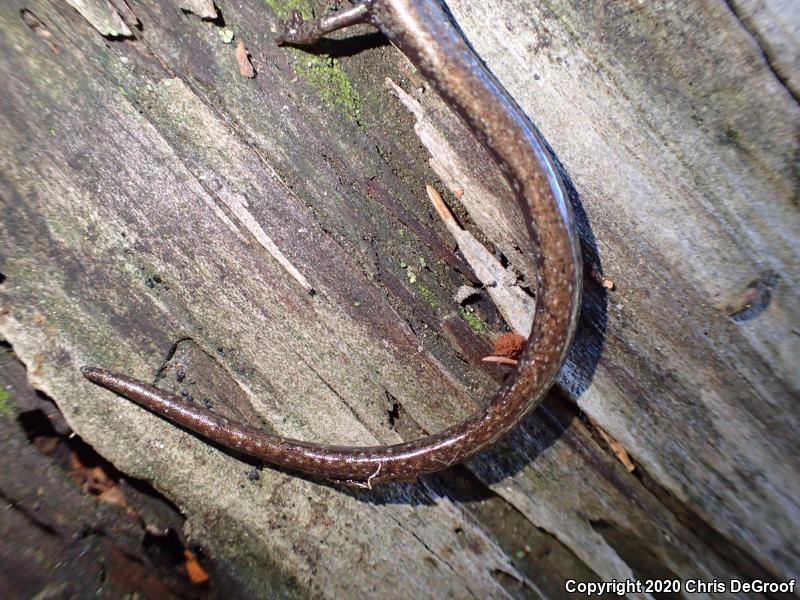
{"x": 769, "y": 58}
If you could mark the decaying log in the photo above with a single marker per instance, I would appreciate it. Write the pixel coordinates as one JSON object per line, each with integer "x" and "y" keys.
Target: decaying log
{"x": 162, "y": 211}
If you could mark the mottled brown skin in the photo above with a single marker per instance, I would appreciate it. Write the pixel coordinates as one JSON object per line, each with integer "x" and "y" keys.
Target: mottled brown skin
{"x": 422, "y": 30}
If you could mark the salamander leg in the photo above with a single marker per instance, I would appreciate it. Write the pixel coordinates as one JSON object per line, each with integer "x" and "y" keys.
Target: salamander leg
{"x": 298, "y": 31}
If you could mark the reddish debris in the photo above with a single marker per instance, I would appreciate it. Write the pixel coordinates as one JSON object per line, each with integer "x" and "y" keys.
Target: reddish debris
{"x": 509, "y": 345}
{"x": 243, "y": 58}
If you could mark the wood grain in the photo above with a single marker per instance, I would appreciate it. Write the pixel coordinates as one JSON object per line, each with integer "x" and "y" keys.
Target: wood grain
{"x": 140, "y": 179}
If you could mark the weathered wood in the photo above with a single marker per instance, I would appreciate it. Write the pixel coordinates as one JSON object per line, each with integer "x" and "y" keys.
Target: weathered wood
{"x": 689, "y": 181}
{"x": 58, "y": 540}
{"x": 141, "y": 179}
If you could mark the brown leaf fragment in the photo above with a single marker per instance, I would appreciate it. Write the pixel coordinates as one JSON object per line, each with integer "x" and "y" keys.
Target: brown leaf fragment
{"x": 604, "y": 282}
{"x": 96, "y": 480}
{"x": 509, "y": 345}
{"x": 618, "y": 451}
{"x": 197, "y": 574}
{"x": 113, "y": 495}
{"x": 243, "y": 58}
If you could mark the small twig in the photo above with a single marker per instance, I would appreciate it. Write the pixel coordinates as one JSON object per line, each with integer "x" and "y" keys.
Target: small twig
{"x": 439, "y": 205}
{"x": 512, "y": 302}
{"x": 500, "y": 359}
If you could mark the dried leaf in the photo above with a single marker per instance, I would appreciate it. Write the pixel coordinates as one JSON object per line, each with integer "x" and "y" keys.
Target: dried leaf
{"x": 113, "y": 495}
{"x": 243, "y": 58}
{"x": 197, "y": 574}
{"x": 618, "y": 451}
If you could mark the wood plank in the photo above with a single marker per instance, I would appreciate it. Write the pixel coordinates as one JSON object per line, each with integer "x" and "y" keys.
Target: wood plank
{"x": 141, "y": 179}
{"x": 682, "y": 148}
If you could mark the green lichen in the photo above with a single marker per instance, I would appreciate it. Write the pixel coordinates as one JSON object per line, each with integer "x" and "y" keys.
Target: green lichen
{"x": 473, "y": 320}
{"x": 284, "y": 8}
{"x": 226, "y": 35}
{"x": 5, "y": 405}
{"x": 428, "y": 296}
{"x": 323, "y": 73}
{"x": 326, "y": 76}
{"x": 424, "y": 290}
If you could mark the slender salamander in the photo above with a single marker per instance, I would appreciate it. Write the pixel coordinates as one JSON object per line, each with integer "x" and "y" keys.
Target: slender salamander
{"x": 422, "y": 30}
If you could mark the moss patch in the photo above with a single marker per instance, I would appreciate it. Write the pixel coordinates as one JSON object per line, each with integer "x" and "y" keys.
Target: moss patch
{"x": 323, "y": 73}
{"x": 226, "y": 35}
{"x": 284, "y": 8}
{"x": 326, "y": 76}
{"x": 5, "y": 405}
{"x": 473, "y": 320}
{"x": 428, "y": 296}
